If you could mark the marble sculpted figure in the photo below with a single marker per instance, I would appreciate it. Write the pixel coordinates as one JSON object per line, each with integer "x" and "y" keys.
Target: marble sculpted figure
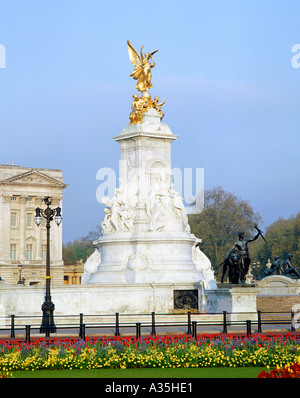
{"x": 120, "y": 210}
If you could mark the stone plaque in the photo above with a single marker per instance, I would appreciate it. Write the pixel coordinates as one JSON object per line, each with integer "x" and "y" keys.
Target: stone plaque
{"x": 186, "y": 299}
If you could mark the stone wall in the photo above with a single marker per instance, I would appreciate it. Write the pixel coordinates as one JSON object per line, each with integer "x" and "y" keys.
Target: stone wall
{"x": 278, "y": 293}
{"x": 276, "y": 303}
{"x": 92, "y": 299}
{"x": 278, "y": 285}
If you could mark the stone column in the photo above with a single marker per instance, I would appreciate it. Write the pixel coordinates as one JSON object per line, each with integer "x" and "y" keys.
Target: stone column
{"x": 5, "y": 229}
{"x": 145, "y": 148}
{"x": 22, "y": 226}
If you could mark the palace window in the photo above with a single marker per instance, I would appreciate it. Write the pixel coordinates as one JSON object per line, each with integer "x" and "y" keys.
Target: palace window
{"x": 29, "y": 252}
{"x": 44, "y": 252}
{"x": 29, "y": 220}
{"x": 13, "y": 251}
{"x": 13, "y": 219}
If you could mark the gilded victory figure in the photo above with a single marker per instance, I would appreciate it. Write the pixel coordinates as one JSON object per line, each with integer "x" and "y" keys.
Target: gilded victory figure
{"x": 142, "y": 67}
{"x": 142, "y": 73}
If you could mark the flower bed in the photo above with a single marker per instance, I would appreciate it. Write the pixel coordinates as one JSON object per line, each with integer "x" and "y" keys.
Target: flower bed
{"x": 149, "y": 352}
{"x": 290, "y": 371}
{"x": 4, "y": 375}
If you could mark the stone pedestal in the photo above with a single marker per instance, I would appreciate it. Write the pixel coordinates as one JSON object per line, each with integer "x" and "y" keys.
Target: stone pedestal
{"x": 130, "y": 298}
{"x": 102, "y": 299}
{"x": 239, "y": 300}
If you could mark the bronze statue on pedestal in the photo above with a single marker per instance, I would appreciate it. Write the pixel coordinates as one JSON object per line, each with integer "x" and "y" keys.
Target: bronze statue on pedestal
{"x": 238, "y": 261}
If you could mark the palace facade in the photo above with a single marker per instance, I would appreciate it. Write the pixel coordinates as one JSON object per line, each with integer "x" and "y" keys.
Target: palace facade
{"x": 22, "y": 243}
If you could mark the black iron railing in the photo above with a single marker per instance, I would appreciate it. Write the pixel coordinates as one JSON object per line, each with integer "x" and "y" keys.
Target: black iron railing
{"x": 190, "y": 323}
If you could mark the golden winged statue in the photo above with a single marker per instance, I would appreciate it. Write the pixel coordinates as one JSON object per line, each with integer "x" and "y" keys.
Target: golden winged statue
{"x": 142, "y": 67}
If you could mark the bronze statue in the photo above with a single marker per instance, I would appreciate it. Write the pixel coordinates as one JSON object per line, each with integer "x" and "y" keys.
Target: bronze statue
{"x": 289, "y": 270}
{"x": 276, "y": 267}
{"x": 238, "y": 261}
{"x": 232, "y": 264}
{"x": 280, "y": 268}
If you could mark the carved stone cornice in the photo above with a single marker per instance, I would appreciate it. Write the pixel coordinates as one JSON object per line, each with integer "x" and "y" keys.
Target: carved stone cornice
{"x": 33, "y": 178}
{"x": 35, "y": 200}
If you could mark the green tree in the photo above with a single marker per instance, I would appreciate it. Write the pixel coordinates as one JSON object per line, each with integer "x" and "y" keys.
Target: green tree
{"x": 283, "y": 237}
{"x": 80, "y": 248}
{"x": 223, "y": 217}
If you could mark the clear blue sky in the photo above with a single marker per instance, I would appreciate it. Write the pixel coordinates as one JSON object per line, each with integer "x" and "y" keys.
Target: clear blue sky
{"x": 225, "y": 67}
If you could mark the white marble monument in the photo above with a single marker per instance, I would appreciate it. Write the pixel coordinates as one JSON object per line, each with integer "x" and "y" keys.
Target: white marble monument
{"x": 146, "y": 240}
{"x": 146, "y": 236}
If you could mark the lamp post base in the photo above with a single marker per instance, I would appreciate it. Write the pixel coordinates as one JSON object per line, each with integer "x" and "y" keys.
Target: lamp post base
{"x": 48, "y": 325}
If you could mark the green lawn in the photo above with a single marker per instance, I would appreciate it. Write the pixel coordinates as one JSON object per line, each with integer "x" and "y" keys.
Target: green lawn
{"x": 144, "y": 373}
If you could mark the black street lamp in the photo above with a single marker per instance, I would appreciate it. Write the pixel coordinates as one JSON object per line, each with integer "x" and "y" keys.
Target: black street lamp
{"x": 21, "y": 280}
{"x": 256, "y": 270}
{"x": 48, "y": 307}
